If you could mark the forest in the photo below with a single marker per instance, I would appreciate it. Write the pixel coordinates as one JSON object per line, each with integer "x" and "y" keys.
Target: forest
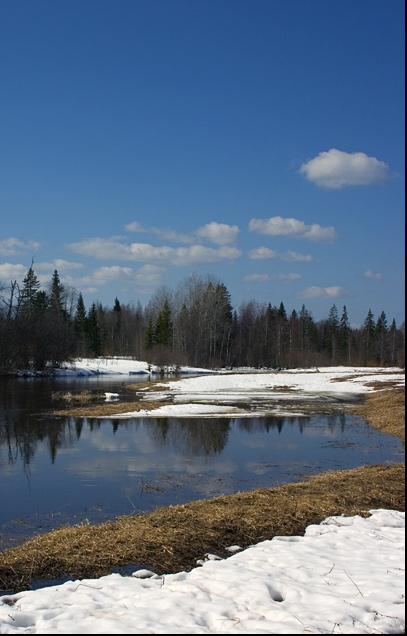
{"x": 194, "y": 325}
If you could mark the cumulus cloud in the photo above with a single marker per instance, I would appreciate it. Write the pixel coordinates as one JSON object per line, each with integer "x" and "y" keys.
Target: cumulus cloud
{"x": 164, "y": 233}
{"x": 289, "y": 278}
{"x": 12, "y": 246}
{"x": 294, "y": 257}
{"x": 111, "y": 248}
{"x": 372, "y": 275}
{"x": 135, "y": 226}
{"x": 336, "y": 169}
{"x": 322, "y": 292}
{"x": 114, "y": 248}
{"x": 58, "y": 263}
{"x": 148, "y": 277}
{"x": 218, "y": 233}
{"x": 279, "y": 226}
{"x": 9, "y": 272}
{"x": 262, "y": 252}
{"x": 260, "y": 278}
{"x": 144, "y": 279}
{"x": 114, "y": 272}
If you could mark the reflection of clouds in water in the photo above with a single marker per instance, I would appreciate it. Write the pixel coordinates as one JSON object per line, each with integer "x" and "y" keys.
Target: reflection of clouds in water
{"x": 113, "y": 468}
{"x": 214, "y": 487}
{"x": 262, "y": 468}
{"x": 249, "y": 443}
{"x": 278, "y": 444}
{"x": 258, "y": 468}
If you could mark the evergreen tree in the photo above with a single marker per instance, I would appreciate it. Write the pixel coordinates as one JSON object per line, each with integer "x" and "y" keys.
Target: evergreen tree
{"x": 80, "y": 326}
{"x": 368, "y": 331}
{"x": 163, "y": 326}
{"x": 80, "y": 314}
{"x": 28, "y": 301}
{"x": 392, "y": 342}
{"x": 381, "y": 339}
{"x": 149, "y": 339}
{"x": 56, "y": 296}
{"x": 94, "y": 332}
{"x": 344, "y": 336}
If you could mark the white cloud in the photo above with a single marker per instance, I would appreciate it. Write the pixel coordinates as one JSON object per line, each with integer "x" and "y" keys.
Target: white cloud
{"x": 372, "y": 275}
{"x": 279, "y": 226}
{"x": 163, "y": 233}
{"x": 9, "y": 272}
{"x": 12, "y": 246}
{"x": 289, "y": 278}
{"x": 105, "y": 275}
{"x": 59, "y": 264}
{"x": 337, "y": 169}
{"x": 108, "y": 249}
{"x": 143, "y": 279}
{"x": 322, "y": 292}
{"x": 171, "y": 235}
{"x": 261, "y": 253}
{"x": 113, "y": 248}
{"x": 135, "y": 226}
{"x": 149, "y": 277}
{"x": 294, "y": 257}
{"x": 218, "y": 233}
{"x": 261, "y": 278}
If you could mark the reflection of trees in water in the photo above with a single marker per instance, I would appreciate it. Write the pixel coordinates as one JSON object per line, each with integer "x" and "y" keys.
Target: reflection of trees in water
{"x": 21, "y": 435}
{"x": 265, "y": 424}
{"x": 197, "y": 435}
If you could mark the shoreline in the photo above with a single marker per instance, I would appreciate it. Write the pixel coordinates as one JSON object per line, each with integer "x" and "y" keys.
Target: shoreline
{"x": 171, "y": 539}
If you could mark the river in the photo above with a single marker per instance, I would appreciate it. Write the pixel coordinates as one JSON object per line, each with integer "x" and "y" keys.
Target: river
{"x": 66, "y": 470}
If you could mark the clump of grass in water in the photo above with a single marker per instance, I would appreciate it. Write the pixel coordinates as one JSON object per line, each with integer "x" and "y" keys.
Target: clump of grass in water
{"x": 82, "y": 398}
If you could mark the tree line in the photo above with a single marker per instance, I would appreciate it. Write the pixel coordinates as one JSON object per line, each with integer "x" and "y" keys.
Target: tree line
{"x": 194, "y": 325}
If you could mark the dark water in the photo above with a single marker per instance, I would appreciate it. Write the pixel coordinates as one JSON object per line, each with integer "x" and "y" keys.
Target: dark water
{"x": 56, "y": 470}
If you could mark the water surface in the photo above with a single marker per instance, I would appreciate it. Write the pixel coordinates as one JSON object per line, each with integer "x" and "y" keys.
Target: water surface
{"x": 56, "y": 470}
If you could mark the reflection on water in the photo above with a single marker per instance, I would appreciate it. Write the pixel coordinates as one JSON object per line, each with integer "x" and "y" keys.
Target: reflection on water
{"x": 64, "y": 469}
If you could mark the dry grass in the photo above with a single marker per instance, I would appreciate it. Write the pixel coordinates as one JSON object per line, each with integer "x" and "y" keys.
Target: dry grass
{"x": 110, "y": 408}
{"x": 385, "y": 409}
{"x": 172, "y": 539}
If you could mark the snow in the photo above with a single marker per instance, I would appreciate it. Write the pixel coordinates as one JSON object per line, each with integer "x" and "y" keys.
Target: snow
{"x": 343, "y": 576}
{"x": 120, "y": 366}
{"x": 245, "y": 394}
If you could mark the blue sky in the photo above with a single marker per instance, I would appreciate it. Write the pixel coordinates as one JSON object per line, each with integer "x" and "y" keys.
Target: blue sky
{"x": 257, "y": 141}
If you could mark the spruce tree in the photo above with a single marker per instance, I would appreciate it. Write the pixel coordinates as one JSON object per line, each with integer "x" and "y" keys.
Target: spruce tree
{"x": 28, "y": 302}
{"x": 368, "y": 331}
{"x": 344, "y": 335}
{"x": 381, "y": 339}
{"x": 94, "y": 332}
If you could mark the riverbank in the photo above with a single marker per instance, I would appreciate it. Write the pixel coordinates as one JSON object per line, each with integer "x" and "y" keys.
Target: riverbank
{"x": 171, "y": 539}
